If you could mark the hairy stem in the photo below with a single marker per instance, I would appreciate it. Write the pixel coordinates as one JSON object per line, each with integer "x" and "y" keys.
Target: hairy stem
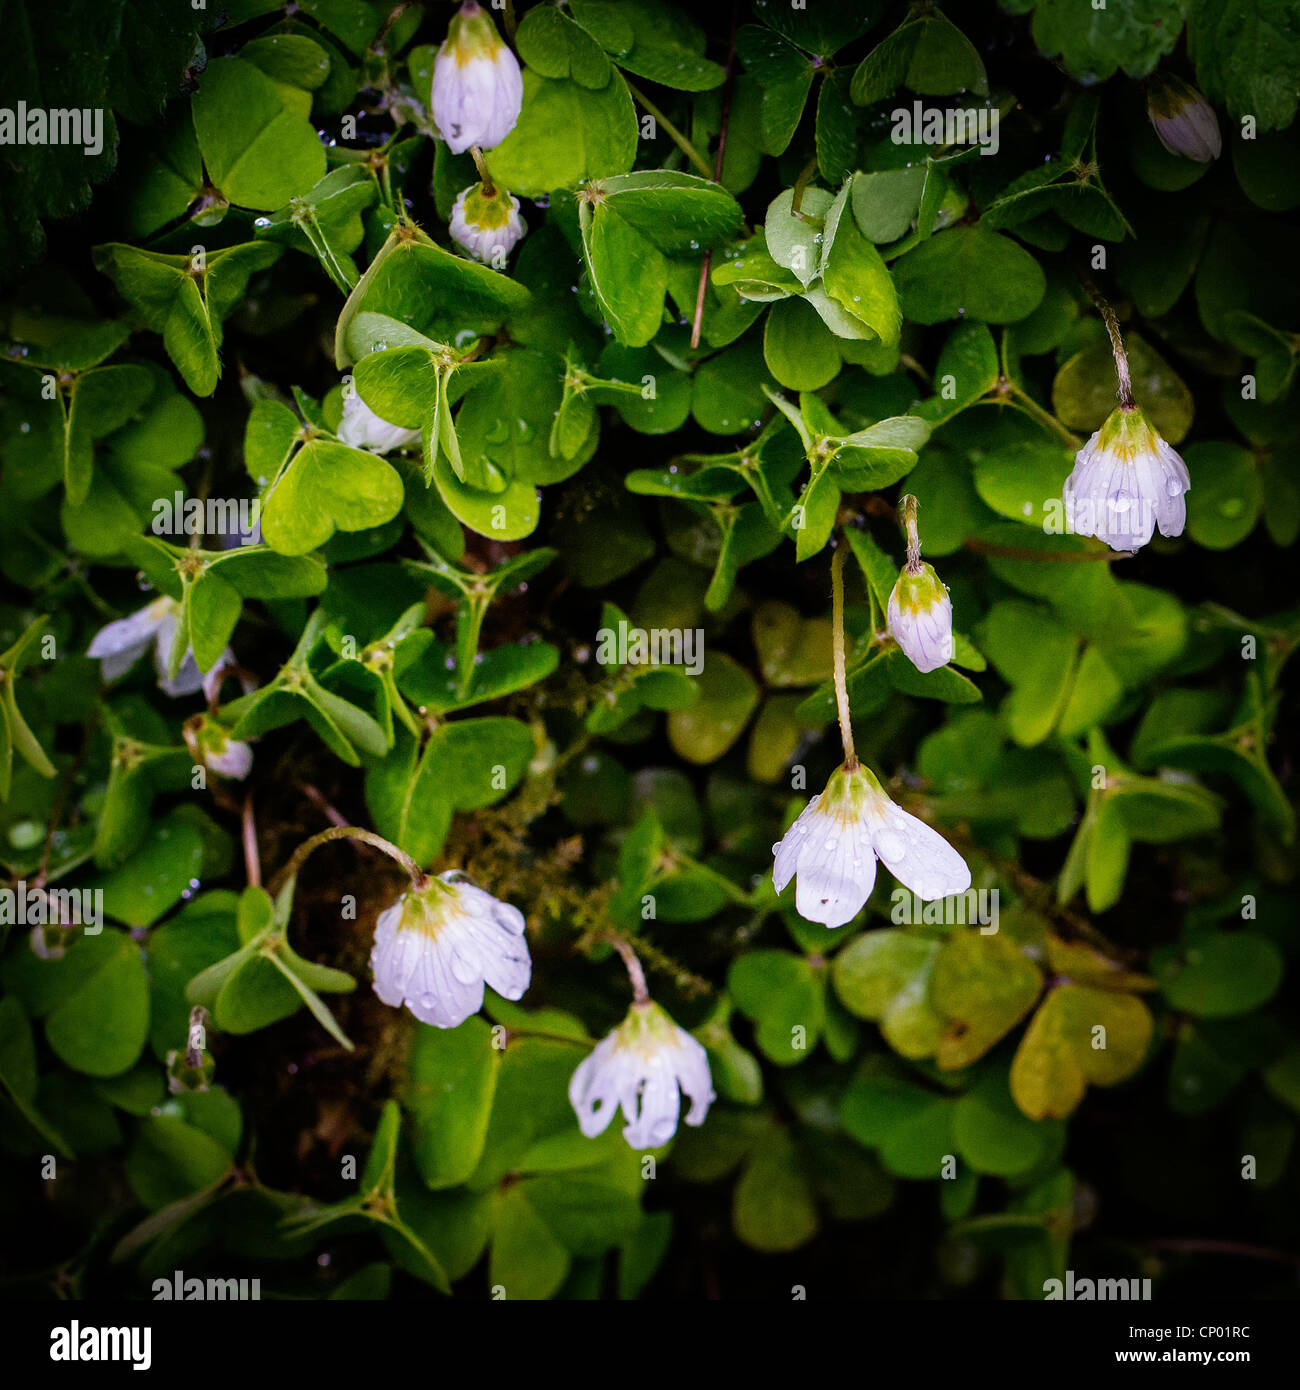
{"x": 841, "y": 684}
{"x": 1116, "y": 345}
{"x": 349, "y": 832}
{"x": 640, "y": 994}
{"x": 907, "y": 509}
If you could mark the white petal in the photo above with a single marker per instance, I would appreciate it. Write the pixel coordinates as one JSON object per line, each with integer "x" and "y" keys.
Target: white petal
{"x": 652, "y": 1118}
{"x": 236, "y": 762}
{"x": 788, "y": 851}
{"x": 920, "y": 857}
{"x": 120, "y": 643}
{"x": 595, "y": 1086}
{"x": 692, "y": 1067}
{"x": 188, "y": 679}
{"x": 836, "y": 871}
{"x": 361, "y": 428}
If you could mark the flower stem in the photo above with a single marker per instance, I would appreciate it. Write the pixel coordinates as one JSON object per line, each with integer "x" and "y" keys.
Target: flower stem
{"x": 640, "y": 994}
{"x": 697, "y": 323}
{"x": 1116, "y": 346}
{"x": 674, "y": 134}
{"x": 907, "y": 509}
{"x": 489, "y": 188}
{"x": 841, "y": 685}
{"x": 349, "y": 832}
{"x": 1022, "y": 401}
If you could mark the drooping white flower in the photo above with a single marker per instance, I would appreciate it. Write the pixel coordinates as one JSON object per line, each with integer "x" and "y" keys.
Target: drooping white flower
{"x": 1126, "y": 482}
{"x": 437, "y": 947}
{"x": 487, "y": 225}
{"x": 645, "y": 1066}
{"x": 920, "y": 617}
{"x": 361, "y": 428}
{"x": 478, "y": 89}
{"x": 212, "y": 747}
{"x": 120, "y": 643}
{"x": 834, "y": 845}
{"x": 1183, "y": 120}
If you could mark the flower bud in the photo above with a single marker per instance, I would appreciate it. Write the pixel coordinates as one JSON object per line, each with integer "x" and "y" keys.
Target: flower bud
{"x": 1126, "y": 482}
{"x": 487, "y": 225}
{"x": 1184, "y": 121}
{"x": 920, "y": 617}
{"x": 478, "y": 89}
{"x": 212, "y": 747}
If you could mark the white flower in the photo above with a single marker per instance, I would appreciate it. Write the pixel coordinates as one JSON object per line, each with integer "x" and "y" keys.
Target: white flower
{"x": 645, "y": 1065}
{"x": 478, "y": 89}
{"x": 488, "y": 226}
{"x": 1184, "y": 121}
{"x": 361, "y": 428}
{"x": 120, "y": 643}
{"x": 920, "y": 617}
{"x": 834, "y": 845}
{"x": 1126, "y": 482}
{"x": 436, "y": 948}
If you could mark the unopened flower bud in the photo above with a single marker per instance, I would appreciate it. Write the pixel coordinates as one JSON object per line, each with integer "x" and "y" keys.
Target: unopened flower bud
{"x": 1184, "y": 121}
{"x": 212, "y": 747}
{"x": 920, "y": 617}
{"x": 487, "y": 225}
{"x": 478, "y": 89}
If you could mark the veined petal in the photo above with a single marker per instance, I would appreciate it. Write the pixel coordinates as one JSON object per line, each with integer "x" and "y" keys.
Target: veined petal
{"x": 920, "y": 857}
{"x": 438, "y": 949}
{"x": 836, "y": 875}
{"x": 655, "y": 1105}
{"x": 119, "y": 644}
{"x": 595, "y": 1088}
{"x": 788, "y": 850}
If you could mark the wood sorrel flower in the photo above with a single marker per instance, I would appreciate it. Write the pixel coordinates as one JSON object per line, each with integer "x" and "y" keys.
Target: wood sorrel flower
{"x": 439, "y": 945}
{"x": 486, "y": 223}
{"x": 834, "y": 845}
{"x": 645, "y": 1065}
{"x": 1183, "y": 119}
{"x": 121, "y": 643}
{"x": 361, "y": 428}
{"x": 1126, "y": 482}
{"x": 478, "y": 89}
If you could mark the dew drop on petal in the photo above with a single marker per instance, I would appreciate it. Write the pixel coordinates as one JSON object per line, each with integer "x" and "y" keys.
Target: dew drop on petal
{"x": 890, "y": 846}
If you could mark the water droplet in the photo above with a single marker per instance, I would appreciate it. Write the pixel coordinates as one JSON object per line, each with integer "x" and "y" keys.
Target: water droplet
{"x": 890, "y": 846}
{"x": 1174, "y": 488}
